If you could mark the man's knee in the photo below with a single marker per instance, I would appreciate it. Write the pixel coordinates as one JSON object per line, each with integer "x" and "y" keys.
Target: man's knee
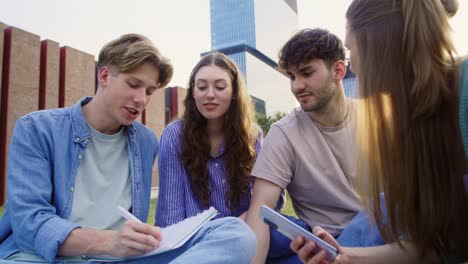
{"x": 238, "y": 230}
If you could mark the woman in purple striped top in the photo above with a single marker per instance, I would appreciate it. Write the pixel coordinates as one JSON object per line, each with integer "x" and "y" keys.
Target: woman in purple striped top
{"x": 206, "y": 158}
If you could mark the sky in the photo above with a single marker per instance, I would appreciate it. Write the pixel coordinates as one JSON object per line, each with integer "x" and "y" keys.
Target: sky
{"x": 179, "y": 28}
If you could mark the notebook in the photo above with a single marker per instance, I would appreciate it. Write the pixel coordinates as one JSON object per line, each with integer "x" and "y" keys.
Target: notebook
{"x": 174, "y": 236}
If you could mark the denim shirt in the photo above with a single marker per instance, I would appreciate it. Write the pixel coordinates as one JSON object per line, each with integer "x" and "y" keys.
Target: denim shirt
{"x": 464, "y": 103}
{"x": 45, "y": 153}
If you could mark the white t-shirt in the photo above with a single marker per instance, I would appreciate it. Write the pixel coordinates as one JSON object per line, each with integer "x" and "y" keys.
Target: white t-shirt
{"x": 103, "y": 182}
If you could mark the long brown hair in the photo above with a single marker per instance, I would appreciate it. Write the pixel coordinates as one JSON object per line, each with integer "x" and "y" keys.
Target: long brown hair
{"x": 240, "y": 135}
{"x": 410, "y": 140}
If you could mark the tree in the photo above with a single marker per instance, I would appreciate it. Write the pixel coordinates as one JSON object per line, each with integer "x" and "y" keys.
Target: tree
{"x": 265, "y": 121}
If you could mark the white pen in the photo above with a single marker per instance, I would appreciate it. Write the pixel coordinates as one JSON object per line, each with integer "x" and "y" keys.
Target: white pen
{"x": 127, "y": 215}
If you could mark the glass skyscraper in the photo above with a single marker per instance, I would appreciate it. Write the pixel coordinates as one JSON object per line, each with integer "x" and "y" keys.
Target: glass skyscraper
{"x": 252, "y": 32}
{"x": 350, "y": 84}
{"x": 248, "y": 31}
{"x": 232, "y": 22}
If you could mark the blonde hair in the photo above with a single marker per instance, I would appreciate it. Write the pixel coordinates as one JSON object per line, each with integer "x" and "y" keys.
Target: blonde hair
{"x": 410, "y": 140}
{"x": 130, "y": 51}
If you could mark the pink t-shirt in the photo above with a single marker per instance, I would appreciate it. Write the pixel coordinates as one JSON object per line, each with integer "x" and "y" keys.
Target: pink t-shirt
{"x": 316, "y": 164}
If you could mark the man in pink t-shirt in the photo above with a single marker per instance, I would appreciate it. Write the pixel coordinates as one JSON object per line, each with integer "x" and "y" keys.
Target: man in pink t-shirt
{"x": 311, "y": 152}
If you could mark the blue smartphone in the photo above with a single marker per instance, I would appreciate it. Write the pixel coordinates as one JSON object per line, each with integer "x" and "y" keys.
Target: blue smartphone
{"x": 291, "y": 230}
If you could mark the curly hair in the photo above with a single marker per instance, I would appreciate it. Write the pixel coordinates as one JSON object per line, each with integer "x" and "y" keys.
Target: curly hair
{"x": 309, "y": 44}
{"x": 240, "y": 135}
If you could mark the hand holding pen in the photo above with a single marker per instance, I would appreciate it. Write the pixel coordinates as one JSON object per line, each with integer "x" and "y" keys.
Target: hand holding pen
{"x": 127, "y": 215}
{"x": 135, "y": 237}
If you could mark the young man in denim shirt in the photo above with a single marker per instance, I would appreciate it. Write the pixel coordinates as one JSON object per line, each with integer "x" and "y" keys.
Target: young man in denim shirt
{"x": 70, "y": 168}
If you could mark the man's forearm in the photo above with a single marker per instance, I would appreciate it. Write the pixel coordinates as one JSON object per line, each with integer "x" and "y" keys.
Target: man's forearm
{"x": 264, "y": 193}
{"x": 262, "y": 233}
{"x": 86, "y": 241}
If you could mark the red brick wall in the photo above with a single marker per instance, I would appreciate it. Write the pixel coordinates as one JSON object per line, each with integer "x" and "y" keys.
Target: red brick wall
{"x": 50, "y": 72}
{"x": 39, "y": 74}
{"x": 20, "y": 86}
{"x": 77, "y": 76}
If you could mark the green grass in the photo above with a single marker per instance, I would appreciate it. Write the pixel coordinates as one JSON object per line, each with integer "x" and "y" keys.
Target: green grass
{"x": 152, "y": 211}
{"x": 287, "y": 209}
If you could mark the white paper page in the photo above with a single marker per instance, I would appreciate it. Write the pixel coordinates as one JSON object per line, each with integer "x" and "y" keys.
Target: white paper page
{"x": 173, "y": 236}
{"x": 176, "y": 235}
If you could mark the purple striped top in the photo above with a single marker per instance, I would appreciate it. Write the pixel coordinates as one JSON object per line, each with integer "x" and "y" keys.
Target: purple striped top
{"x": 176, "y": 200}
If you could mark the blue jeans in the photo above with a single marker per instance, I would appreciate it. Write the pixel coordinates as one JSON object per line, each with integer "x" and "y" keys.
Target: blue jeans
{"x": 280, "y": 250}
{"x": 224, "y": 240}
{"x": 362, "y": 232}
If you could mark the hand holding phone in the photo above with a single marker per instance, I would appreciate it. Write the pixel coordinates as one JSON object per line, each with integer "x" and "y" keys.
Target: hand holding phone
{"x": 291, "y": 230}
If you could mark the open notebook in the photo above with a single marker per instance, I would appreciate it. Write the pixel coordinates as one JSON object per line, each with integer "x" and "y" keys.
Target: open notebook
{"x": 174, "y": 236}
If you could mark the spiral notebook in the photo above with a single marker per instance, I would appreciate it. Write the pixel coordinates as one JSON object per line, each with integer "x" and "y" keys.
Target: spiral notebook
{"x": 174, "y": 236}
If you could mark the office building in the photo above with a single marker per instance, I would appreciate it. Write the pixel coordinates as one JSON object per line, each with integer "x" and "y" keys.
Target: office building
{"x": 249, "y": 32}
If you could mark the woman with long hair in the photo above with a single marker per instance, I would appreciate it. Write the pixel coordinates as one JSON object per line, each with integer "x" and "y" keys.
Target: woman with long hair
{"x": 411, "y": 147}
{"x": 206, "y": 158}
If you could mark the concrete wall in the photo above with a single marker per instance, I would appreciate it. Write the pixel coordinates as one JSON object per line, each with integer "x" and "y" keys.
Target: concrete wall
{"x": 262, "y": 80}
{"x": 270, "y": 12}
